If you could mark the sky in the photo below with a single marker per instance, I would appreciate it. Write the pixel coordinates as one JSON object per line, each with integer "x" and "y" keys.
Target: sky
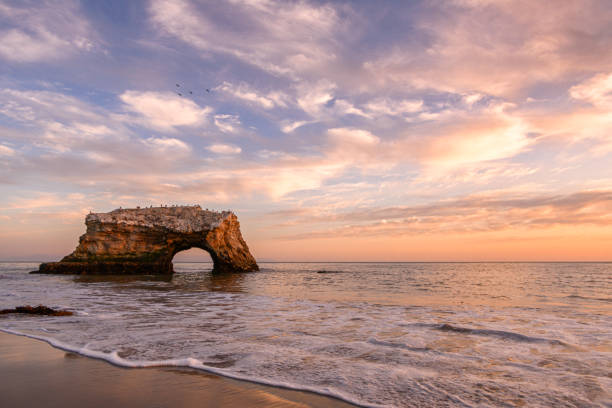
{"x": 426, "y": 130}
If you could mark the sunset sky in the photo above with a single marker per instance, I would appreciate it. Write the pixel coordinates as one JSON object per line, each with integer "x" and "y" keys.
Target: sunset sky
{"x": 337, "y": 131}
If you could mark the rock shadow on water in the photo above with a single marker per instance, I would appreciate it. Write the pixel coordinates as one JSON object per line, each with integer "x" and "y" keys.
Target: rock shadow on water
{"x": 122, "y": 278}
{"x": 224, "y": 282}
{"x": 192, "y": 281}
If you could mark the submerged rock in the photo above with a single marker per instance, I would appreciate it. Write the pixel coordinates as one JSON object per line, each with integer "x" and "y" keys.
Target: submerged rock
{"x": 144, "y": 241}
{"x": 38, "y": 310}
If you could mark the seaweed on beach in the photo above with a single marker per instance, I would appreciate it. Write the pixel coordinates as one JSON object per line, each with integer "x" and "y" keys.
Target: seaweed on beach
{"x": 38, "y": 310}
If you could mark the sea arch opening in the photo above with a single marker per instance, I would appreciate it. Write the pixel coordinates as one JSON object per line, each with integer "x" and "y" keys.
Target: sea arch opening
{"x": 192, "y": 258}
{"x": 195, "y": 267}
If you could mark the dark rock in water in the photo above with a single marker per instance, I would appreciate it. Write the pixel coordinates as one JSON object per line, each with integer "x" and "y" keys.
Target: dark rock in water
{"x": 144, "y": 241}
{"x": 38, "y": 310}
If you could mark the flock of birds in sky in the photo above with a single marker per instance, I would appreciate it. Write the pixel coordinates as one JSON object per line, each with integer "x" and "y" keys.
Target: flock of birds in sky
{"x": 190, "y": 92}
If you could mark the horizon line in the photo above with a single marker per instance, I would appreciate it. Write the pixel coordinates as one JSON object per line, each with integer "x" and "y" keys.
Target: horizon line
{"x": 390, "y": 262}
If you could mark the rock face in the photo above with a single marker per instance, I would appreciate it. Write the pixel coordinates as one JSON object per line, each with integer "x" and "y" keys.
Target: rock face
{"x": 144, "y": 241}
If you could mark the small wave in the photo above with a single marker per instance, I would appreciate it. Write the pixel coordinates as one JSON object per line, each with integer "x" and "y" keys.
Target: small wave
{"x": 189, "y": 362}
{"x": 609, "y": 300}
{"x": 397, "y": 345}
{"x": 501, "y": 334}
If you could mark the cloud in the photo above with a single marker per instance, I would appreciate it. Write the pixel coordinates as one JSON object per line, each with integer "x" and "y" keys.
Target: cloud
{"x": 6, "y": 151}
{"x": 92, "y": 129}
{"x": 55, "y": 121}
{"x": 56, "y": 134}
{"x": 345, "y": 107}
{"x": 474, "y": 174}
{"x": 596, "y": 90}
{"x": 246, "y": 93}
{"x": 28, "y": 106}
{"x": 224, "y": 149}
{"x": 100, "y": 157}
{"x": 115, "y": 158}
{"x": 289, "y": 127}
{"x": 163, "y": 110}
{"x": 312, "y": 98}
{"x": 497, "y": 48}
{"x": 456, "y": 140}
{"x": 353, "y": 137}
{"x": 471, "y": 99}
{"x": 587, "y": 123}
{"x": 21, "y": 47}
{"x": 319, "y": 100}
{"x": 166, "y": 144}
{"x": 227, "y": 123}
{"x": 467, "y": 140}
{"x": 389, "y": 107}
{"x": 474, "y": 213}
{"x": 44, "y": 31}
{"x": 277, "y": 37}
{"x": 350, "y": 146}
{"x": 275, "y": 180}
{"x": 34, "y": 201}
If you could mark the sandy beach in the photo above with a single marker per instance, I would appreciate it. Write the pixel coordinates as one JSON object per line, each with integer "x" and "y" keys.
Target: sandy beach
{"x": 35, "y": 374}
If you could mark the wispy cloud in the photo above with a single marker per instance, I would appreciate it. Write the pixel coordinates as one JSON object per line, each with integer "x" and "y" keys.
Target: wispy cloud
{"x": 224, "y": 149}
{"x": 44, "y": 31}
{"x": 390, "y": 107}
{"x": 166, "y": 145}
{"x": 6, "y": 151}
{"x": 499, "y": 48}
{"x": 289, "y": 127}
{"x": 278, "y": 37}
{"x": 227, "y": 123}
{"x": 245, "y": 93}
{"x": 597, "y": 90}
{"x": 476, "y": 213}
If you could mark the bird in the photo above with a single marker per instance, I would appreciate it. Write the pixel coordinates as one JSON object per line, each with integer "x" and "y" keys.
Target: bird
{"x": 207, "y": 90}
{"x": 179, "y": 94}
{"x": 178, "y": 86}
{"x": 191, "y": 92}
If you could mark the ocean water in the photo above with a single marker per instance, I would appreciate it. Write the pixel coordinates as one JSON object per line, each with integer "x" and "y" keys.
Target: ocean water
{"x": 374, "y": 334}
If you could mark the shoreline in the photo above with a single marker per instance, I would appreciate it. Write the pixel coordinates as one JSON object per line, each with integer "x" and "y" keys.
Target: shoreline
{"x": 35, "y": 373}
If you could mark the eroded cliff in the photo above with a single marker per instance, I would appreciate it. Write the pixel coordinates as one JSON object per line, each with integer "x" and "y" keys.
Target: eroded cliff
{"x": 144, "y": 241}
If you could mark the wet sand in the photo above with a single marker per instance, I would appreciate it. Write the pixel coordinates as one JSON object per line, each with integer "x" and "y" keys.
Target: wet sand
{"x": 34, "y": 374}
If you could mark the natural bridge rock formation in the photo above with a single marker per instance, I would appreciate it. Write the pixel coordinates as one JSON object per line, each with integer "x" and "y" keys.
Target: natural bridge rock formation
{"x": 144, "y": 241}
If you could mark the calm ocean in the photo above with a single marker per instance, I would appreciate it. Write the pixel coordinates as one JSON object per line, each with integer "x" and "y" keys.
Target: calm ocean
{"x": 375, "y": 334}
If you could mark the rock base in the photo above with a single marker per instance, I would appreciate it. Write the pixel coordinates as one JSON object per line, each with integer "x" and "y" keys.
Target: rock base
{"x": 104, "y": 268}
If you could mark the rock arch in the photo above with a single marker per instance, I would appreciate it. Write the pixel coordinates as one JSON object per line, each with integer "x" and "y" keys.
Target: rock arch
{"x": 144, "y": 241}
